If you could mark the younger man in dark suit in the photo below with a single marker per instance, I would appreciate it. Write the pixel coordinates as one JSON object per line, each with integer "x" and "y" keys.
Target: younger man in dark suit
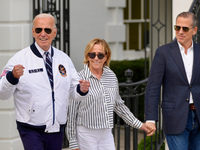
{"x": 176, "y": 67}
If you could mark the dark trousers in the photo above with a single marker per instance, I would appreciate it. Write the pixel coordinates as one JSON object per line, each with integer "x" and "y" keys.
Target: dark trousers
{"x": 34, "y": 140}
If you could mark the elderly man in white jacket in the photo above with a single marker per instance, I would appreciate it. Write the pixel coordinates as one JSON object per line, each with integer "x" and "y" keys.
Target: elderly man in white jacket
{"x": 41, "y": 107}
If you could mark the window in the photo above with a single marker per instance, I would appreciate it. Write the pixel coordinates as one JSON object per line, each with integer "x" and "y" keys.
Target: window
{"x": 134, "y": 19}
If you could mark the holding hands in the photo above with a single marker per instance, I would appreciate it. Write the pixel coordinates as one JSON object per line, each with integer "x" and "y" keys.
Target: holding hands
{"x": 149, "y": 128}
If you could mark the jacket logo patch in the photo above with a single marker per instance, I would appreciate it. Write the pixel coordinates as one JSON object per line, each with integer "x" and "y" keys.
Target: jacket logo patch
{"x": 36, "y": 70}
{"x": 62, "y": 70}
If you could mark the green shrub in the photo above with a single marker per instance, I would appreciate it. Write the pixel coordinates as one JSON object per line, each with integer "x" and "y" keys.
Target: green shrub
{"x": 148, "y": 143}
{"x": 137, "y": 66}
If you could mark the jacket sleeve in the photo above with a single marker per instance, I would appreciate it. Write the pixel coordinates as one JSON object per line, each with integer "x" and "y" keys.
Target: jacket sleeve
{"x": 71, "y": 124}
{"x": 74, "y": 94}
{"x": 153, "y": 89}
{"x": 7, "y": 82}
{"x": 123, "y": 111}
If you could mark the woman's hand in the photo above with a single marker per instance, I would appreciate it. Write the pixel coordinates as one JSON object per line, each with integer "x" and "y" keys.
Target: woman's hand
{"x": 149, "y": 128}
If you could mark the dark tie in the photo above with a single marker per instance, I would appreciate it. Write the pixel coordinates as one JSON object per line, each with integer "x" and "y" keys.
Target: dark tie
{"x": 49, "y": 68}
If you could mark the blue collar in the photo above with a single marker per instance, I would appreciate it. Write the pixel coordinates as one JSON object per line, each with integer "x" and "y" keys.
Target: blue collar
{"x": 37, "y": 53}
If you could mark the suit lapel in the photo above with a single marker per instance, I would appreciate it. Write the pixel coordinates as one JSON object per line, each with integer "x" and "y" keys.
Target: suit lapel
{"x": 196, "y": 61}
{"x": 175, "y": 53}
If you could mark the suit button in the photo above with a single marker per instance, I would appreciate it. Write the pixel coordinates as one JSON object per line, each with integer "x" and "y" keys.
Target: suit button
{"x": 190, "y": 86}
{"x": 187, "y": 100}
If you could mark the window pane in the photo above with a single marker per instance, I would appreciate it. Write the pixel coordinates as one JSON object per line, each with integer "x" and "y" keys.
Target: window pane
{"x": 136, "y": 9}
{"x": 133, "y": 36}
{"x": 126, "y": 11}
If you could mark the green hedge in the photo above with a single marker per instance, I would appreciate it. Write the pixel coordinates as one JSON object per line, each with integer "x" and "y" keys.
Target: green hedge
{"x": 138, "y": 68}
{"x": 148, "y": 143}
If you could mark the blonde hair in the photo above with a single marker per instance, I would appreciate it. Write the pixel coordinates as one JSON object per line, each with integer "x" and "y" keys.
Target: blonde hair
{"x": 106, "y": 49}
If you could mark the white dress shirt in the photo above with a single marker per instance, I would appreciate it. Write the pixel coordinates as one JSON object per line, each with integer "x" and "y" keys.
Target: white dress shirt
{"x": 188, "y": 63}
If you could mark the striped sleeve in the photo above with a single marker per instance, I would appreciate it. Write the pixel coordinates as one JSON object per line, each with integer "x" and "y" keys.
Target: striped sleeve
{"x": 124, "y": 112}
{"x": 71, "y": 124}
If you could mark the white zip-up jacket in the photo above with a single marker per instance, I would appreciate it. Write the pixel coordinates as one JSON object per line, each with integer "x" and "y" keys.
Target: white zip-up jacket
{"x": 36, "y": 104}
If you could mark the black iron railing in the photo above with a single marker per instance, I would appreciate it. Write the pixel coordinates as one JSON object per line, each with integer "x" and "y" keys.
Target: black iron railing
{"x": 133, "y": 94}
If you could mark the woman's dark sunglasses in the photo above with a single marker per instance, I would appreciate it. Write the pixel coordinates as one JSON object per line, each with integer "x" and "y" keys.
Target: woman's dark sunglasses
{"x": 47, "y": 30}
{"x": 178, "y": 28}
{"x": 99, "y": 55}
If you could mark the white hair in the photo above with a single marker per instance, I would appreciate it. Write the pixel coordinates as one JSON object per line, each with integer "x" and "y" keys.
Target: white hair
{"x": 44, "y": 15}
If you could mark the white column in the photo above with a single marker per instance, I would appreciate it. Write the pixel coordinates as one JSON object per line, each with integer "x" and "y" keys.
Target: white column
{"x": 15, "y": 29}
{"x": 115, "y": 28}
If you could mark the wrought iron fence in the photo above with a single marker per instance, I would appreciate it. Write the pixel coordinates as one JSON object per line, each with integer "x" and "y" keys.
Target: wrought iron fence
{"x": 133, "y": 94}
{"x": 60, "y": 10}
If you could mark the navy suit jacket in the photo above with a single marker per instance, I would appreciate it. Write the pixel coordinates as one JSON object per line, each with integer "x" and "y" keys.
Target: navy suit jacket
{"x": 168, "y": 71}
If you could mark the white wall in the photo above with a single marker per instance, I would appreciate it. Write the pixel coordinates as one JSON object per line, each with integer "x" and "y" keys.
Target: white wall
{"x": 178, "y": 7}
{"x": 96, "y": 18}
{"x": 15, "y": 29}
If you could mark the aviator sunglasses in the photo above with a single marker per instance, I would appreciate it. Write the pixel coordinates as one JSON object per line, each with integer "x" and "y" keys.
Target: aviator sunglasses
{"x": 47, "y": 30}
{"x": 99, "y": 55}
{"x": 178, "y": 28}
